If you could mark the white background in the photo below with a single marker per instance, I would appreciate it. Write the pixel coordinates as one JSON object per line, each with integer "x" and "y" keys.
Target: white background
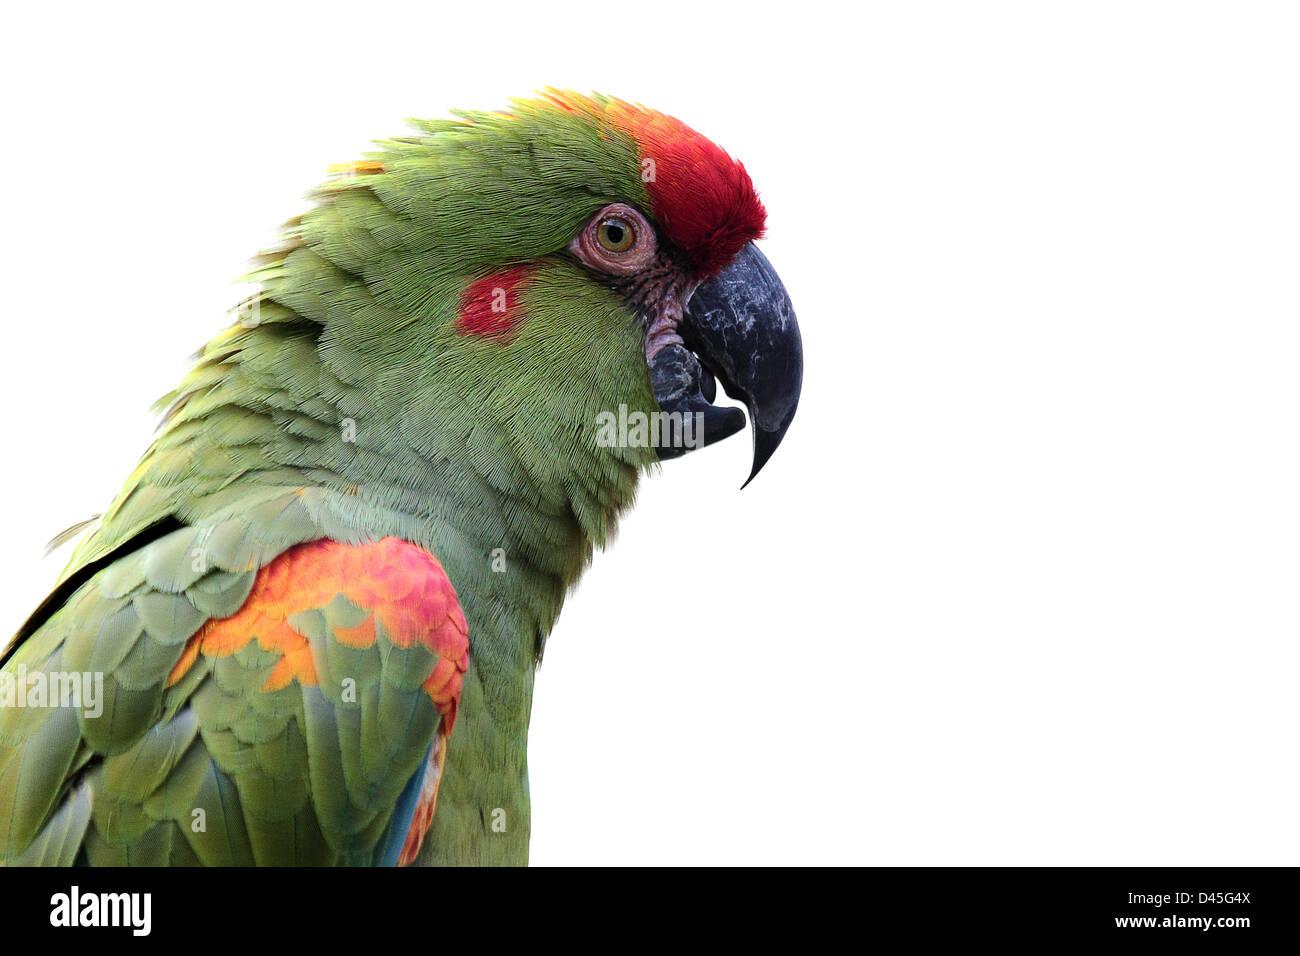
{"x": 1021, "y": 585}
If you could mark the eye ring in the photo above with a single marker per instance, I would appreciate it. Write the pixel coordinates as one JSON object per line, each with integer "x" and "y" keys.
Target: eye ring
{"x": 616, "y": 234}
{"x": 618, "y": 241}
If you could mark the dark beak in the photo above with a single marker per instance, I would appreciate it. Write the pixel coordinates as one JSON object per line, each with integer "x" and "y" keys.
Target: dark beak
{"x": 739, "y": 327}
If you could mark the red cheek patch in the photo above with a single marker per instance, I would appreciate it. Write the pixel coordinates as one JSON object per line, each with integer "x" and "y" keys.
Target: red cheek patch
{"x": 490, "y": 306}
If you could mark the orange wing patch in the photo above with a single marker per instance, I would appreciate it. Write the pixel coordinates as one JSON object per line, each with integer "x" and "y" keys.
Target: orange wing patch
{"x": 403, "y": 585}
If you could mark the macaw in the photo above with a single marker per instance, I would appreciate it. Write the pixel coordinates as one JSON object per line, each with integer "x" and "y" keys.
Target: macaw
{"x": 306, "y": 629}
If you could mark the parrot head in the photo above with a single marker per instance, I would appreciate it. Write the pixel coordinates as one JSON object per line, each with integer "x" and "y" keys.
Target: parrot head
{"x": 528, "y": 276}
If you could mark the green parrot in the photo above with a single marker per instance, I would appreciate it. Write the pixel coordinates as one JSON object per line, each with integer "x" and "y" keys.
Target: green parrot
{"x": 306, "y": 630}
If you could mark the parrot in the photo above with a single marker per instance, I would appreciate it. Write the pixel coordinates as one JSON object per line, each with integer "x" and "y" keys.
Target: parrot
{"x": 306, "y": 630}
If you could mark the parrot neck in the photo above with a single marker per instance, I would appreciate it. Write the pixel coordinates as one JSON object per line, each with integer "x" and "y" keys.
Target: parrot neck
{"x": 513, "y": 520}
{"x": 514, "y": 534}
{"x": 506, "y": 485}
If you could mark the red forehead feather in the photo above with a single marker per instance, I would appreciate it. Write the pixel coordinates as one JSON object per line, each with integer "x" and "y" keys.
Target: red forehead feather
{"x": 702, "y": 200}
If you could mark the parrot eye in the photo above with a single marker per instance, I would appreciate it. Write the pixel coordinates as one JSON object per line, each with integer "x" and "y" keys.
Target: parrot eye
{"x": 617, "y": 240}
{"x": 615, "y": 235}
